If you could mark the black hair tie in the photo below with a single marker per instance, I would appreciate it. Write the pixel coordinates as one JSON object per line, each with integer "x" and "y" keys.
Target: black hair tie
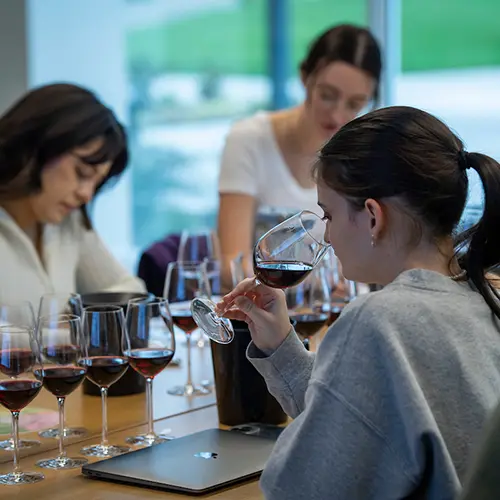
{"x": 462, "y": 160}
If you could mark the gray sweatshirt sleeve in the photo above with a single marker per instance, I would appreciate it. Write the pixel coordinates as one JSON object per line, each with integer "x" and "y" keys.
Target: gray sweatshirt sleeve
{"x": 287, "y": 372}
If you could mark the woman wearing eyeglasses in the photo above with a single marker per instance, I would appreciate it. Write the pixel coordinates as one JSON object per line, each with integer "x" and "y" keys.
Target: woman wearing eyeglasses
{"x": 266, "y": 163}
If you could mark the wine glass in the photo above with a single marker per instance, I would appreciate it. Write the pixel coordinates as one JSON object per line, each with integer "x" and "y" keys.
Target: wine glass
{"x": 282, "y": 257}
{"x": 195, "y": 246}
{"x": 150, "y": 350}
{"x": 183, "y": 283}
{"x": 20, "y": 314}
{"x": 63, "y": 346}
{"x": 309, "y": 304}
{"x": 61, "y": 303}
{"x": 106, "y": 336}
{"x": 21, "y": 376}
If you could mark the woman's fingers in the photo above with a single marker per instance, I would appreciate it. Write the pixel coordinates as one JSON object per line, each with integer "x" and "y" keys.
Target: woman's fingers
{"x": 243, "y": 287}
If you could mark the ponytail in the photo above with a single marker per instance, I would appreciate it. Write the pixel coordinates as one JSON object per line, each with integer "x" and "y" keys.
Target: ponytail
{"x": 482, "y": 241}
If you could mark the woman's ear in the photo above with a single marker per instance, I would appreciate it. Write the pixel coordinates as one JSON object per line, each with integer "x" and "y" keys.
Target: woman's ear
{"x": 376, "y": 219}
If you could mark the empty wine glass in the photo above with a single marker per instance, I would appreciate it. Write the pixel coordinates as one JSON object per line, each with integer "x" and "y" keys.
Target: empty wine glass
{"x": 282, "y": 257}
{"x": 63, "y": 346}
{"x": 309, "y": 304}
{"x": 20, "y": 314}
{"x": 150, "y": 350}
{"x": 104, "y": 330}
{"x": 61, "y": 303}
{"x": 21, "y": 376}
{"x": 183, "y": 283}
{"x": 195, "y": 246}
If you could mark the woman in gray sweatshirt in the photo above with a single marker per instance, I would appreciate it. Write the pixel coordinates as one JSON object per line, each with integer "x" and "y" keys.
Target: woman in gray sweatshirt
{"x": 390, "y": 406}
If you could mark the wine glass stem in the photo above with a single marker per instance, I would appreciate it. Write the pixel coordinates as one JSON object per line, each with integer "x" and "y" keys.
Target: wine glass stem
{"x": 60, "y": 404}
{"x": 189, "y": 383}
{"x": 104, "y": 399}
{"x": 15, "y": 438}
{"x": 149, "y": 403}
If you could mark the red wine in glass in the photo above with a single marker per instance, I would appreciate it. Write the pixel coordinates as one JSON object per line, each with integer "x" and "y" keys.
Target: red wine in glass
{"x": 61, "y": 381}
{"x": 105, "y": 370}
{"x": 281, "y": 274}
{"x": 16, "y": 394}
{"x": 149, "y": 361}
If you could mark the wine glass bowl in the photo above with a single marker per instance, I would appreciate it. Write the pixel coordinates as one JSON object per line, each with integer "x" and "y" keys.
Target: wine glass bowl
{"x": 283, "y": 257}
{"x": 62, "y": 347}
{"x": 150, "y": 349}
{"x": 105, "y": 363}
{"x": 21, "y": 378}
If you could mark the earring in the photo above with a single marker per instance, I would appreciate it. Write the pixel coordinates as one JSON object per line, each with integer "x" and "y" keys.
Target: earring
{"x": 373, "y": 241}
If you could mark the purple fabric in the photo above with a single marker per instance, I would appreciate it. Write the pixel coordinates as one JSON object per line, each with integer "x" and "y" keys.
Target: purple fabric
{"x": 154, "y": 262}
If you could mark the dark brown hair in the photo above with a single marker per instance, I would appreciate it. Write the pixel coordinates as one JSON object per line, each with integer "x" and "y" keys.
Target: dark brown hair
{"x": 48, "y": 122}
{"x": 407, "y": 153}
{"x": 351, "y": 44}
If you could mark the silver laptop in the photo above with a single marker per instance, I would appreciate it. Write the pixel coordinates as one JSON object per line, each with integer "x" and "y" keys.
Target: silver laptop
{"x": 196, "y": 464}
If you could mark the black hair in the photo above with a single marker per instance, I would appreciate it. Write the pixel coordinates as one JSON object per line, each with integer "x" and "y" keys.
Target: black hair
{"x": 407, "y": 153}
{"x": 48, "y": 122}
{"x": 347, "y": 43}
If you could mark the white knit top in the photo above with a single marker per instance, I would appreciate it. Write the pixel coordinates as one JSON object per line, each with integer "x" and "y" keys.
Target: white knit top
{"x": 74, "y": 260}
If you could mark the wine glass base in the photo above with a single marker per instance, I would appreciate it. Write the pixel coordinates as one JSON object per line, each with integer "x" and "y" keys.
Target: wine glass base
{"x": 189, "y": 390}
{"x": 62, "y": 463}
{"x": 104, "y": 451}
{"x": 148, "y": 439}
{"x": 69, "y": 432}
{"x": 15, "y": 478}
{"x": 8, "y": 444}
{"x": 215, "y": 327}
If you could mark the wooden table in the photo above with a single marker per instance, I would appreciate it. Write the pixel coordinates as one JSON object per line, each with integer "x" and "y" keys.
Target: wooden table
{"x": 63, "y": 485}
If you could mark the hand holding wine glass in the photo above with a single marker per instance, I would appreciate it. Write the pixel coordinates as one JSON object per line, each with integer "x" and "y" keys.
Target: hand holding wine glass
{"x": 104, "y": 329}
{"x": 150, "y": 350}
{"x": 63, "y": 346}
{"x": 283, "y": 257}
{"x": 21, "y": 376}
{"x": 264, "y": 309}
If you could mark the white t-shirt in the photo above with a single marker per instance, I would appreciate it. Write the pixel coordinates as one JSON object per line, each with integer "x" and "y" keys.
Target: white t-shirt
{"x": 252, "y": 164}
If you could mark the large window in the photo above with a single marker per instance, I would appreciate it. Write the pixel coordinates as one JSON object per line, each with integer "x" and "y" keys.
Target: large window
{"x": 451, "y": 68}
{"x": 194, "y": 68}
